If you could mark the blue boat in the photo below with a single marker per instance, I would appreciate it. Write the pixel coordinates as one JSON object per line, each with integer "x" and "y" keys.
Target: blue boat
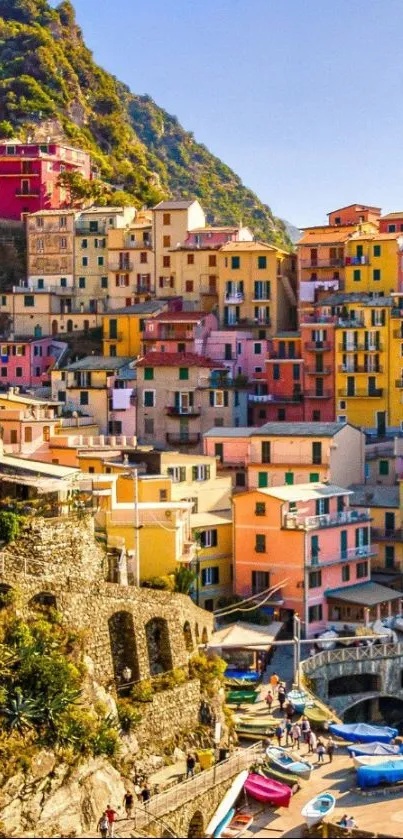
{"x": 224, "y": 823}
{"x": 287, "y": 762}
{"x": 390, "y": 772}
{"x": 361, "y": 732}
{"x": 376, "y": 748}
{"x": 242, "y": 675}
{"x": 299, "y": 700}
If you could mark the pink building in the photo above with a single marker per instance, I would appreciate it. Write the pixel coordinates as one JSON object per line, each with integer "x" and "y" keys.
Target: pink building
{"x": 215, "y": 237}
{"x": 26, "y": 362}
{"x": 179, "y": 332}
{"x": 29, "y": 175}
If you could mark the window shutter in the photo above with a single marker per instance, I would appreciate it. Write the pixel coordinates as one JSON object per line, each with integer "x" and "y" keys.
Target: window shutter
{"x": 241, "y": 286}
{"x": 126, "y": 279}
{"x": 383, "y": 317}
{"x": 212, "y": 398}
{"x": 194, "y": 476}
{"x": 357, "y": 537}
{"x": 117, "y": 280}
{"x": 365, "y": 535}
{"x": 138, "y": 277}
{"x": 214, "y": 538}
{"x": 171, "y": 282}
{"x": 372, "y": 317}
{"x": 208, "y": 470}
{"x": 226, "y": 398}
{"x": 177, "y": 399}
{"x": 191, "y": 399}
{"x": 161, "y": 282}
{"x": 182, "y": 473}
{"x": 216, "y": 576}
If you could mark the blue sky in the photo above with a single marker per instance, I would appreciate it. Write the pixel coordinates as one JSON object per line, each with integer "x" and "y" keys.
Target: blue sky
{"x": 302, "y": 98}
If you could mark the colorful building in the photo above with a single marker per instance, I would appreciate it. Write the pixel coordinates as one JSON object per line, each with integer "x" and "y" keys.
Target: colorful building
{"x": 371, "y": 263}
{"x": 318, "y": 339}
{"x": 27, "y": 362}
{"x": 385, "y": 504}
{"x": 278, "y": 382}
{"x": 50, "y": 250}
{"x": 124, "y": 329}
{"x": 29, "y": 174}
{"x": 212, "y": 534}
{"x": 94, "y": 228}
{"x": 178, "y": 332}
{"x": 182, "y": 395}
{"x": 256, "y": 288}
{"x": 306, "y": 539}
{"x": 172, "y": 220}
{"x": 131, "y": 262}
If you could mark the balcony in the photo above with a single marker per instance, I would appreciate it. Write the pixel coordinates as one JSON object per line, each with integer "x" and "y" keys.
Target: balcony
{"x": 359, "y": 368}
{"x": 144, "y": 289}
{"x": 139, "y": 246}
{"x": 318, "y": 346}
{"x": 376, "y": 393}
{"x": 325, "y": 262}
{"x": 178, "y": 439}
{"x": 312, "y": 371}
{"x": 357, "y": 260}
{"x": 292, "y": 521}
{"x": 350, "y": 323}
{"x": 27, "y": 193}
{"x": 117, "y": 337}
{"x": 120, "y": 267}
{"x": 87, "y": 229}
{"x": 360, "y": 348}
{"x": 274, "y": 398}
{"x": 396, "y": 312}
{"x": 312, "y": 394}
{"x": 379, "y": 534}
{"x": 351, "y": 554}
{"x": 318, "y": 318}
{"x": 235, "y": 297}
{"x": 179, "y": 411}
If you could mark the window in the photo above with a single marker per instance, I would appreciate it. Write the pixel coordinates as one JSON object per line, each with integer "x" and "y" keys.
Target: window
{"x": 84, "y": 397}
{"x": 377, "y": 250}
{"x": 112, "y": 351}
{"x": 18, "y": 372}
{"x": 266, "y": 453}
{"x": 166, "y": 218}
{"x": 219, "y": 451}
{"x": 177, "y": 473}
{"x": 208, "y": 538}
{"x": 63, "y": 243}
{"x": 212, "y": 260}
{"x": 384, "y": 467}
{"x": 148, "y": 374}
{"x": 391, "y": 228}
{"x": 210, "y": 576}
{"x": 376, "y": 274}
{"x": 262, "y": 262}
{"x": 3, "y": 300}
{"x": 100, "y": 261}
{"x": 260, "y": 581}
{"x": 389, "y": 556}
{"x": 219, "y": 398}
{"x": 315, "y": 613}
{"x": 315, "y": 579}
{"x": 104, "y": 282}
{"x": 260, "y": 508}
{"x": 240, "y": 479}
{"x": 113, "y": 329}
{"x": 148, "y": 425}
{"x": 63, "y": 282}
{"x": 262, "y": 480}
{"x": 316, "y": 416}
{"x": 81, "y": 282}
{"x": 361, "y": 570}
{"x": 143, "y": 257}
{"x": 314, "y": 477}
{"x": 166, "y": 261}
{"x": 276, "y": 372}
{"x": 4, "y": 372}
{"x": 84, "y": 261}
{"x": 84, "y": 243}
{"x": 235, "y": 262}
{"x": 357, "y": 275}
{"x": 183, "y": 373}
{"x": 189, "y": 285}
{"x": 190, "y": 259}
{"x": 29, "y": 300}
{"x": 13, "y": 436}
{"x": 201, "y": 472}
{"x": 296, "y": 372}
{"x": 281, "y": 414}
{"x": 260, "y": 543}
{"x": 289, "y": 478}
{"x": 317, "y": 453}
{"x": 149, "y": 398}
{"x": 345, "y": 573}
{"x": 166, "y": 241}
{"x": 163, "y": 495}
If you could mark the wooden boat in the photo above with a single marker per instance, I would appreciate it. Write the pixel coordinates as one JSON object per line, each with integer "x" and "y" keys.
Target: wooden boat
{"x": 268, "y": 791}
{"x": 317, "y": 715}
{"x": 238, "y": 825}
{"x": 317, "y": 808}
{"x": 373, "y": 760}
{"x": 259, "y": 720}
{"x": 292, "y": 781}
{"x": 361, "y": 732}
{"x": 388, "y": 772}
{"x": 219, "y": 831}
{"x": 228, "y": 802}
{"x": 385, "y": 749}
{"x": 241, "y": 697}
{"x": 254, "y": 733}
{"x": 287, "y": 762}
{"x": 299, "y": 700}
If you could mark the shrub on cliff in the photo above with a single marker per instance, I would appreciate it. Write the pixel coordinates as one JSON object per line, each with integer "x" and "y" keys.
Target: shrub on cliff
{"x": 209, "y": 670}
{"x": 9, "y": 526}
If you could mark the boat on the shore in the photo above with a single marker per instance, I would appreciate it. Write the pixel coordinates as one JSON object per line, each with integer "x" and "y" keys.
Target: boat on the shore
{"x": 219, "y": 831}
{"x": 373, "y": 760}
{"x": 361, "y": 732}
{"x": 318, "y": 715}
{"x": 293, "y": 781}
{"x": 257, "y": 720}
{"x": 227, "y": 803}
{"x": 239, "y": 824}
{"x": 376, "y": 748}
{"x": 300, "y": 700}
{"x": 242, "y": 697}
{"x": 268, "y": 791}
{"x": 245, "y": 733}
{"x": 287, "y": 762}
{"x": 388, "y": 772}
{"x": 317, "y": 808}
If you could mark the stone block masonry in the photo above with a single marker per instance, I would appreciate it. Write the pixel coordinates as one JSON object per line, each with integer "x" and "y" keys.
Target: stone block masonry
{"x": 172, "y": 712}
{"x": 58, "y": 562}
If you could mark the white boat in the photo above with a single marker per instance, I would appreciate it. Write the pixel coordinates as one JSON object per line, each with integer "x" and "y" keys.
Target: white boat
{"x": 328, "y": 640}
{"x": 317, "y": 808}
{"x": 288, "y": 762}
{"x": 373, "y": 760}
{"x": 228, "y": 802}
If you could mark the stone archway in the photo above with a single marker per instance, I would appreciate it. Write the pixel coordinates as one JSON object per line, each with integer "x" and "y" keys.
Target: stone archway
{"x": 123, "y": 645}
{"x": 44, "y": 601}
{"x": 357, "y": 683}
{"x": 196, "y": 826}
{"x": 204, "y": 638}
{"x": 376, "y": 708}
{"x": 187, "y": 637}
{"x": 158, "y": 646}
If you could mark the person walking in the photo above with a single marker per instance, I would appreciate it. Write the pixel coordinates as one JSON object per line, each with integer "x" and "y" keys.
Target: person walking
{"x": 190, "y": 765}
{"x": 296, "y": 734}
{"x": 128, "y": 802}
{"x": 288, "y": 731}
{"x": 305, "y": 728}
{"x": 145, "y": 792}
{"x": 274, "y": 681}
{"x": 103, "y": 825}
{"x": 312, "y": 742}
{"x": 111, "y": 816}
{"x": 279, "y": 734}
{"x": 269, "y": 699}
{"x": 330, "y": 749}
{"x": 320, "y": 749}
{"x": 281, "y": 695}
{"x": 289, "y": 710}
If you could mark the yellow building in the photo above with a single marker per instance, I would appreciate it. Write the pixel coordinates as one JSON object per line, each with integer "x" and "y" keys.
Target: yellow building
{"x": 131, "y": 268}
{"x": 92, "y": 230}
{"x": 195, "y": 271}
{"x": 255, "y": 287}
{"x": 212, "y": 533}
{"x": 171, "y": 222}
{"x": 386, "y": 506}
{"x": 50, "y": 250}
{"x": 371, "y": 263}
{"x": 123, "y": 329}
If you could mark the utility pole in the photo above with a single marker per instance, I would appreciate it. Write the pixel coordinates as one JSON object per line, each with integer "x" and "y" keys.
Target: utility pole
{"x": 136, "y": 526}
{"x": 297, "y": 648}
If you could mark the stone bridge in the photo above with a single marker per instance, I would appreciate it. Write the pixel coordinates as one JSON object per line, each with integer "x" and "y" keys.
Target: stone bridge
{"x": 186, "y": 809}
{"x": 343, "y": 678}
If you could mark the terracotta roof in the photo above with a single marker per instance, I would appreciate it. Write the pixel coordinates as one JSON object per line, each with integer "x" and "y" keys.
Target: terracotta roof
{"x": 392, "y": 216}
{"x": 250, "y": 246}
{"x": 356, "y": 207}
{"x": 326, "y": 235}
{"x": 178, "y": 359}
{"x": 375, "y": 235}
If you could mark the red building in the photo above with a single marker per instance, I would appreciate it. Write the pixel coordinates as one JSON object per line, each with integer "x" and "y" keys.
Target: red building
{"x": 391, "y": 223}
{"x": 318, "y": 353}
{"x": 278, "y": 393}
{"x": 29, "y": 176}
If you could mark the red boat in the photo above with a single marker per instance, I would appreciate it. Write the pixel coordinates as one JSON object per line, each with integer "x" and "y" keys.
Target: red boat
{"x": 268, "y": 790}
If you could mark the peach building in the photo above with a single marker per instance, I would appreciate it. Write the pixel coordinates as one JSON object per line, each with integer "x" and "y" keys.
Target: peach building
{"x": 307, "y": 539}
{"x": 172, "y": 332}
{"x": 172, "y": 220}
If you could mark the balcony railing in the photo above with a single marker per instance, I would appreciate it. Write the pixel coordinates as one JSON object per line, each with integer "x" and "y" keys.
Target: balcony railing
{"x": 235, "y": 297}
{"x": 117, "y": 337}
{"x": 350, "y": 323}
{"x": 313, "y": 394}
{"x": 357, "y": 260}
{"x": 181, "y": 411}
{"x": 360, "y": 347}
{"x": 275, "y": 398}
{"x": 325, "y": 262}
{"x": 293, "y": 521}
{"x": 29, "y": 193}
{"x": 376, "y": 393}
{"x": 85, "y": 227}
{"x": 120, "y": 267}
{"x": 348, "y": 555}
{"x": 318, "y": 346}
{"x": 359, "y": 368}
{"x": 312, "y": 371}
{"x": 178, "y": 439}
{"x": 139, "y": 246}
{"x": 381, "y": 534}
{"x": 144, "y": 289}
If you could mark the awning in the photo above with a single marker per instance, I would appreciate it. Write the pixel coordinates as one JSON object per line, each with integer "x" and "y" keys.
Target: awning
{"x": 245, "y": 636}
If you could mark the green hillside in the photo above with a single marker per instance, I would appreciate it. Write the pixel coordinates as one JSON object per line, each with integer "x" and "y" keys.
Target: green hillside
{"x": 50, "y": 84}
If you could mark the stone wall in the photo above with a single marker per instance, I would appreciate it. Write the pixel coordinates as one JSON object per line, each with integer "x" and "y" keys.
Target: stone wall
{"x": 171, "y": 713}
{"x": 61, "y": 558}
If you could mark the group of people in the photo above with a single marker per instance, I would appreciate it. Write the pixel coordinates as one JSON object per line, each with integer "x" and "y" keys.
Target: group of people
{"x": 106, "y": 824}
{"x": 296, "y": 732}
{"x": 347, "y": 821}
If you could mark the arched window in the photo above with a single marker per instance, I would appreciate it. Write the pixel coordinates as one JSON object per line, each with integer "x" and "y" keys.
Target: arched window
{"x": 196, "y": 826}
{"x": 158, "y": 646}
{"x": 69, "y": 325}
{"x": 204, "y": 636}
{"x": 54, "y": 327}
{"x": 187, "y": 636}
{"x": 123, "y": 646}
{"x": 44, "y": 601}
